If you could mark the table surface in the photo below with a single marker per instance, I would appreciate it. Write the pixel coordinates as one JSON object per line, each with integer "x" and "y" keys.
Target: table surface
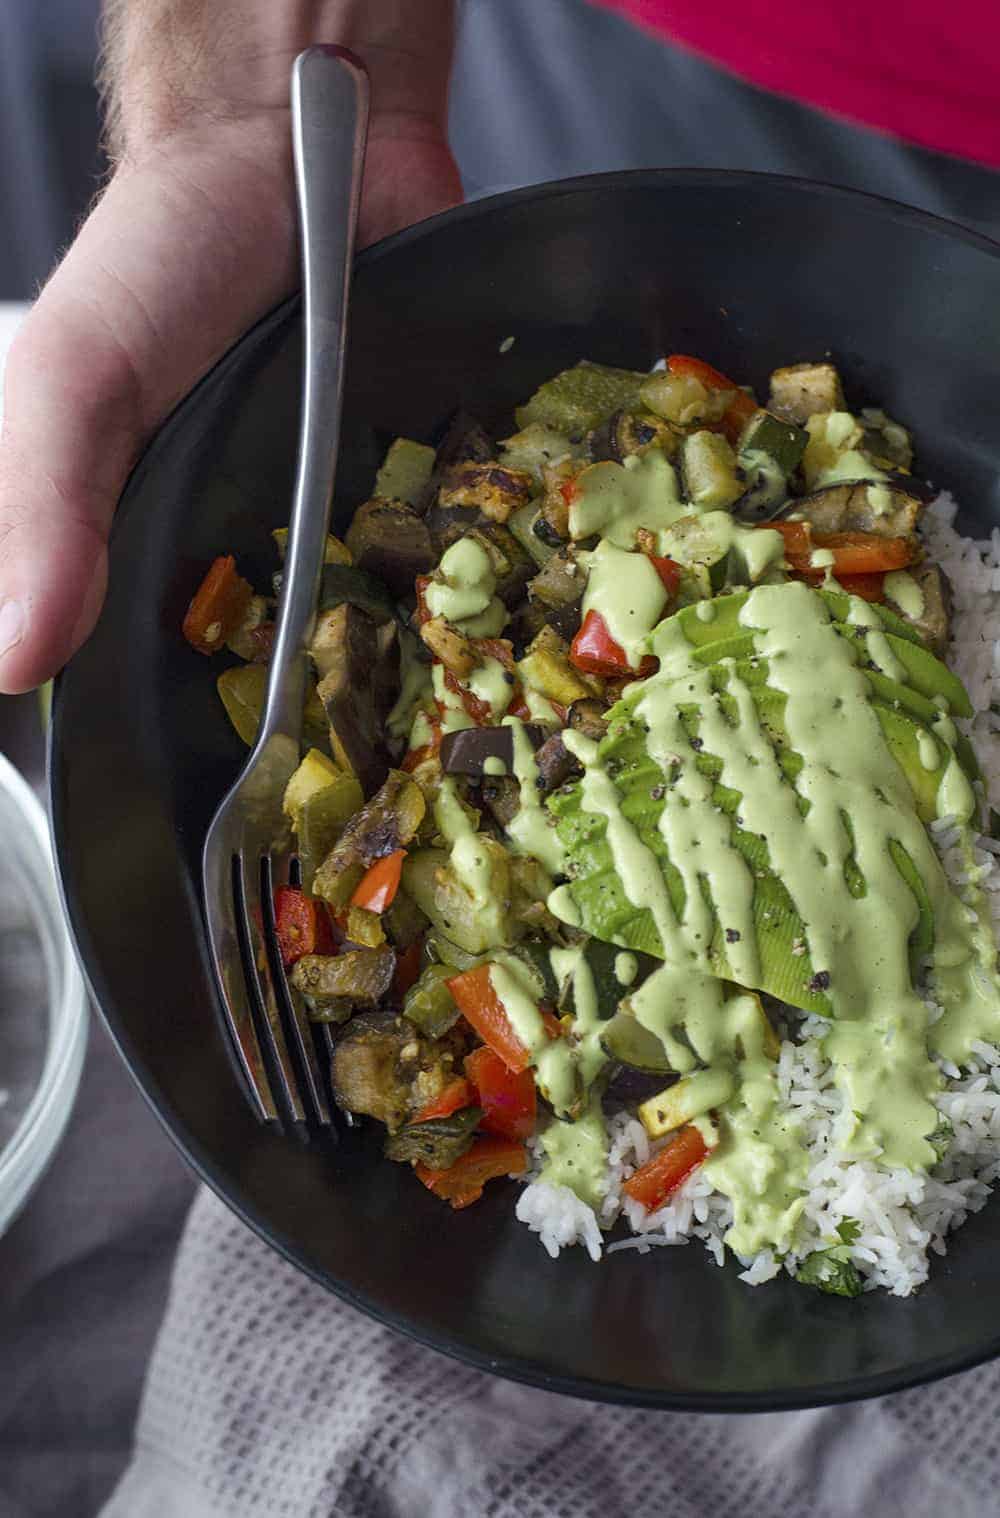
{"x": 84, "y": 1269}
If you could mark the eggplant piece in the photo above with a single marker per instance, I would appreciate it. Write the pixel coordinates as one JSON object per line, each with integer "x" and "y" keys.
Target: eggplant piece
{"x": 625, "y": 434}
{"x": 555, "y": 764}
{"x": 861, "y": 506}
{"x": 491, "y": 487}
{"x": 628, "y": 1087}
{"x": 501, "y": 795}
{"x": 512, "y": 565}
{"x": 367, "y": 1073}
{"x": 357, "y": 691}
{"x": 934, "y": 622}
{"x": 465, "y": 439}
{"x": 386, "y": 823}
{"x": 391, "y": 540}
{"x": 588, "y": 716}
{"x": 361, "y": 976}
{"x": 466, "y": 752}
{"x": 561, "y": 583}
{"x": 804, "y": 390}
{"x": 438, "y": 1142}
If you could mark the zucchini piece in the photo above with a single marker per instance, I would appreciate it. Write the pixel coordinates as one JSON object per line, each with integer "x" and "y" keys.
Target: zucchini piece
{"x": 804, "y": 390}
{"x": 315, "y": 772}
{"x": 861, "y": 506}
{"x": 393, "y": 543}
{"x": 780, "y": 440}
{"x": 405, "y": 472}
{"x": 626, "y": 1040}
{"x": 388, "y": 822}
{"x": 439, "y": 1142}
{"x": 321, "y": 820}
{"x": 709, "y": 471}
{"x": 441, "y": 951}
{"x": 429, "y": 1004}
{"x": 579, "y": 399}
{"x": 627, "y": 433}
{"x": 364, "y": 928}
{"x": 471, "y": 925}
{"x": 688, "y": 1098}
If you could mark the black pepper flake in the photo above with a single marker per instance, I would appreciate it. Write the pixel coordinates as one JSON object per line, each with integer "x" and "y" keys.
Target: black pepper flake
{"x": 732, "y": 935}
{"x": 540, "y": 782}
{"x": 820, "y": 981}
{"x": 508, "y": 677}
{"x": 697, "y": 743}
{"x": 657, "y": 793}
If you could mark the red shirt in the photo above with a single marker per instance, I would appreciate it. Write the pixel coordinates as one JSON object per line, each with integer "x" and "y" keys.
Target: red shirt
{"x": 929, "y": 73}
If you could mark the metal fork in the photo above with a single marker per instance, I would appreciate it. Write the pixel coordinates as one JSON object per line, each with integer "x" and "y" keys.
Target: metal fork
{"x": 248, "y": 850}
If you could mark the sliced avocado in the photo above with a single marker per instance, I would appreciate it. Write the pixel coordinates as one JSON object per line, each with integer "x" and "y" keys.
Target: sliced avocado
{"x": 924, "y": 672}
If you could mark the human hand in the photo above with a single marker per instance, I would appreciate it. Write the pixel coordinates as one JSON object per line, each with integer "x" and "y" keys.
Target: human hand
{"x": 192, "y": 241}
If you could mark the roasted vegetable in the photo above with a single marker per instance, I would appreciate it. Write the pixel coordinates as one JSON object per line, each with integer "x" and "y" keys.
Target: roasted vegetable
{"x": 320, "y": 820}
{"x": 361, "y": 976}
{"x": 780, "y": 440}
{"x": 625, "y": 1039}
{"x": 348, "y": 583}
{"x": 357, "y": 691}
{"x": 301, "y": 925}
{"x": 493, "y": 488}
{"x": 429, "y": 1004}
{"x": 364, "y": 928}
{"x": 315, "y": 772}
{"x": 711, "y": 476}
{"x": 456, "y": 652}
{"x": 387, "y": 823}
{"x": 587, "y": 716}
{"x": 391, "y": 541}
{"x": 535, "y": 447}
{"x": 547, "y": 669}
{"x": 886, "y": 441}
{"x": 689, "y": 1098}
{"x": 860, "y": 507}
{"x": 933, "y": 620}
{"x": 377, "y": 888}
{"x": 512, "y": 565}
{"x": 656, "y": 1181}
{"x": 474, "y": 925}
{"x": 804, "y": 390}
{"x": 626, "y": 433}
{"x": 253, "y": 638}
{"x": 242, "y": 690}
{"x": 437, "y": 1142}
{"x": 217, "y": 608}
{"x": 506, "y": 1099}
{"x": 555, "y": 764}
{"x": 579, "y": 399}
{"x": 468, "y": 751}
{"x": 561, "y": 583}
{"x": 488, "y": 1159}
{"x": 405, "y": 472}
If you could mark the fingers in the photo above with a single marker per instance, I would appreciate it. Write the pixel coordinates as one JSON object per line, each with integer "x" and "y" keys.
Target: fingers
{"x": 175, "y": 262}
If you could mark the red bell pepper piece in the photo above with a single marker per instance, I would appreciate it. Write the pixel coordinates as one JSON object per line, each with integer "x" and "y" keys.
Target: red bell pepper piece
{"x": 457, "y": 1094}
{"x": 655, "y": 1181}
{"x": 302, "y": 925}
{"x": 407, "y": 967}
{"x": 482, "y": 1008}
{"x": 868, "y": 587}
{"x": 462, "y": 1183}
{"x": 595, "y": 652}
{"x": 378, "y": 886}
{"x": 217, "y": 608}
{"x": 742, "y": 406}
{"x": 507, "y": 1097}
{"x": 668, "y": 571}
{"x": 477, "y": 709}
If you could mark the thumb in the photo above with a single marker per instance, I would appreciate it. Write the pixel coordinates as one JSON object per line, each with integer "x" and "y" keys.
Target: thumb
{"x": 171, "y": 266}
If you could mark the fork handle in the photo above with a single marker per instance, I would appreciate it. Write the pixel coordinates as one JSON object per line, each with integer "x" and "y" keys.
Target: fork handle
{"x": 330, "y": 95}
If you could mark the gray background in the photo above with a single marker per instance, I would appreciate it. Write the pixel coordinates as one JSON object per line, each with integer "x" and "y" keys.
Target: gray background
{"x": 541, "y": 91}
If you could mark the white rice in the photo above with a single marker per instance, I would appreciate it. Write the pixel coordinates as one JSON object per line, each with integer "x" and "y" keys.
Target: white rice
{"x": 901, "y": 1216}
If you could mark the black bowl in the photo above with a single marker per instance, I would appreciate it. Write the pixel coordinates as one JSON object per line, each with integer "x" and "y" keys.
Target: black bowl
{"x": 749, "y": 271}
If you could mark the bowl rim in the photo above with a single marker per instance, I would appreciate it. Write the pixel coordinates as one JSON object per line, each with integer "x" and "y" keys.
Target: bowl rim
{"x": 33, "y": 1142}
{"x": 511, "y": 1367}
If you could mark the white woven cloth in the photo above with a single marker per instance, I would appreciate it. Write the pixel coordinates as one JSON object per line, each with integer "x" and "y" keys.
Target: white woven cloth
{"x": 268, "y": 1398}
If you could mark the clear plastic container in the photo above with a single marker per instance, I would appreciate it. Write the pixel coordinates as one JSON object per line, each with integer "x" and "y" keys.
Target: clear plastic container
{"x": 43, "y": 1005}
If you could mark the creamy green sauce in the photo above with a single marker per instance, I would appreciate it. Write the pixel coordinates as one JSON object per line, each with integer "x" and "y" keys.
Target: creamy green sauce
{"x": 832, "y": 453}
{"x": 626, "y": 968}
{"x": 463, "y": 591}
{"x": 626, "y": 591}
{"x": 878, "y": 1039}
{"x": 454, "y": 717}
{"x": 489, "y": 682}
{"x": 471, "y": 861}
{"x": 577, "y": 1155}
{"x": 414, "y": 687}
{"x": 615, "y": 500}
{"x": 494, "y": 765}
{"x": 903, "y": 589}
{"x": 531, "y": 828}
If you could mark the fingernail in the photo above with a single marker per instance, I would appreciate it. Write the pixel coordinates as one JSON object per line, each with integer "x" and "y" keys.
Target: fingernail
{"x": 11, "y": 625}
